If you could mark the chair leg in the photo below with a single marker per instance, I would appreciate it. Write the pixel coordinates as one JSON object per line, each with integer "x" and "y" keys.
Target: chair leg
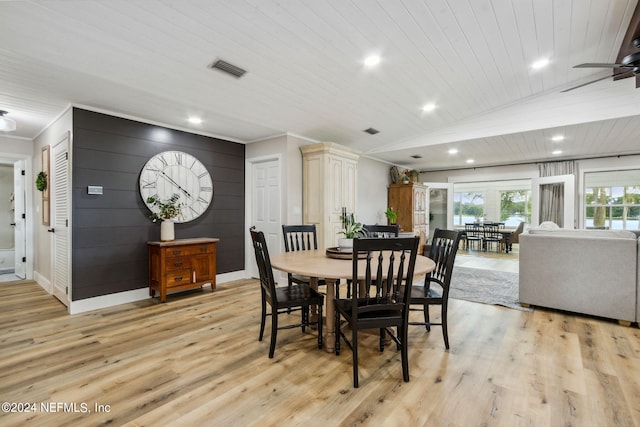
{"x": 263, "y": 318}
{"x": 305, "y": 317}
{"x": 274, "y": 332}
{"x": 427, "y": 325}
{"x": 382, "y": 337}
{"x": 354, "y": 344}
{"x": 338, "y": 333}
{"x": 404, "y": 352}
{"x": 320, "y": 326}
{"x": 445, "y": 332}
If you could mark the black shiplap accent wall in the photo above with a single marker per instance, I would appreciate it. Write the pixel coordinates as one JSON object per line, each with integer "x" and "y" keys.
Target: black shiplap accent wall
{"x": 110, "y": 231}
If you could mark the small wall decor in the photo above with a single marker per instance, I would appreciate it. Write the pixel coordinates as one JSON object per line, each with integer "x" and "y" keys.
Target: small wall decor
{"x": 42, "y": 184}
{"x": 41, "y": 181}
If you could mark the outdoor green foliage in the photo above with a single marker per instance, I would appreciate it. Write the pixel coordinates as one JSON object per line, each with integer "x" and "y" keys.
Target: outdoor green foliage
{"x": 350, "y": 227}
{"x": 601, "y": 206}
{"x": 515, "y": 202}
{"x": 469, "y": 208}
{"x": 169, "y": 208}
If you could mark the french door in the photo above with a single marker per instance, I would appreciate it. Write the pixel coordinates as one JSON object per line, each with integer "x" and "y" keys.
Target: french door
{"x": 440, "y": 203}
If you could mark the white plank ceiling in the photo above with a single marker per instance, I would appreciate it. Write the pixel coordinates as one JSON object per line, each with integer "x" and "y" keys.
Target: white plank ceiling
{"x": 305, "y": 75}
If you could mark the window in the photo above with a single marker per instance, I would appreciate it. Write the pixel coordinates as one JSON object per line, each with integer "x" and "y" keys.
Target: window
{"x": 468, "y": 207}
{"x": 612, "y": 200}
{"x": 515, "y": 207}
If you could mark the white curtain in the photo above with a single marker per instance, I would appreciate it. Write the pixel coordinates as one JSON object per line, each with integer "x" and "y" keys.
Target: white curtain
{"x": 552, "y": 195}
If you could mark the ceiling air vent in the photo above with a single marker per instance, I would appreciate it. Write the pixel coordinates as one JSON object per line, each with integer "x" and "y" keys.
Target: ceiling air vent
{"x": 372, "y": 131}
{"x": 224, "y": 66}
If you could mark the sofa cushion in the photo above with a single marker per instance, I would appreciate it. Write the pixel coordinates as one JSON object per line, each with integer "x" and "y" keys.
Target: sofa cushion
{"x": 569, "y": 232}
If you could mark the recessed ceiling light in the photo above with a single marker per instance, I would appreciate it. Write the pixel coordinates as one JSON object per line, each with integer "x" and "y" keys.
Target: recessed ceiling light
{"x": 453, "y": 151}
{"x": 540, "y": 63}
{"x": 371, "y": 131}
{"x": 556, "y": 152}
{"x": 416, "y": 156}
{"x": 429, "y": 107}
{"x": 557, "y": 138}
{"x": 470, "y": 160}
{"x": 195, "y": 120}
{"x": 372, "y": 61}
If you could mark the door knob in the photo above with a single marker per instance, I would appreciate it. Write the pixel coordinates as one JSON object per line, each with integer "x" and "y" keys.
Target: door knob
{"x": 51, "y": 230}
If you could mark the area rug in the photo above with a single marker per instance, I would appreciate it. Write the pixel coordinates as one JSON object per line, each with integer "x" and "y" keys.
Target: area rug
{"x": 486, "y": 286}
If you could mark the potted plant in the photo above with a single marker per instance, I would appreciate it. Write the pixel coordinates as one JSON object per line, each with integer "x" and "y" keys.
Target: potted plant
{"x": 350, "y": 229}
{"x": 392, "y": 216}
{"x": 410, "y": 175}
{"x": 167, "y": 210}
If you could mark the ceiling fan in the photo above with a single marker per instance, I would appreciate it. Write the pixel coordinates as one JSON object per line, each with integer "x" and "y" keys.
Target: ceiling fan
{"x": 628, "y": 60}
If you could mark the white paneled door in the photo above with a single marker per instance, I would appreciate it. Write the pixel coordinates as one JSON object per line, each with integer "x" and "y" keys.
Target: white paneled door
{"x": 266, "y": 203}
{"x": 60, "y": 222}
{"x": 19, "y": 219}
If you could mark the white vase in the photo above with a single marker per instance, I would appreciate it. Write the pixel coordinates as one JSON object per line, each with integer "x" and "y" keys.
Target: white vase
{"x": 167, "y": 232}
{"x": 345, "y": 244}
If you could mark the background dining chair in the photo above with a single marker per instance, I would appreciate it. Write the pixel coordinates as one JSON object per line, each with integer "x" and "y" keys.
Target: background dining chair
{"x": 292, "y": 297}
{"x": 435, "y": 290}
{"x": 381, "y": 230}
{"x": 473, "y": 235}
{"x": 300, "y": 238}
{"x": 491, "y": 236}
{"x": 383, "y": 305}
{"x": 514, "y": 237}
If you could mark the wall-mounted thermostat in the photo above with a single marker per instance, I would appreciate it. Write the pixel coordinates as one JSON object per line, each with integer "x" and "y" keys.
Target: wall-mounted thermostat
{"x": 94, "y": 189}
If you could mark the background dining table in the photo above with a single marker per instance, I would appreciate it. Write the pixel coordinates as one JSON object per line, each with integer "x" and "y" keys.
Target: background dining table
{"x": 316, "y": 264}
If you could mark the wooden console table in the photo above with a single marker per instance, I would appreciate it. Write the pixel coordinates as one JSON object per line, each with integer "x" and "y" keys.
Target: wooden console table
{"x": 181, "y": 264}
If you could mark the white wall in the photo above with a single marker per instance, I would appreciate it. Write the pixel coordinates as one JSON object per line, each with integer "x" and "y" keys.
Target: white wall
{"x": 373, "y": 181}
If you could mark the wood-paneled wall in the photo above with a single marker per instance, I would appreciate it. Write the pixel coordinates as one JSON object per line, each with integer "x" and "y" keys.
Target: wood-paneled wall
{"x": 110, "y": 231}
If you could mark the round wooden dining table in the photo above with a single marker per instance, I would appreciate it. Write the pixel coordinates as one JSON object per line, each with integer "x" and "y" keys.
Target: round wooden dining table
{"x": 316, "y": 264}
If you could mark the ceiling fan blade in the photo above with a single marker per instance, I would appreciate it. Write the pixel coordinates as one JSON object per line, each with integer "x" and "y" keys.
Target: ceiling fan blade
{"x": 596, "y": 80}
{"x": 600, "y": 65}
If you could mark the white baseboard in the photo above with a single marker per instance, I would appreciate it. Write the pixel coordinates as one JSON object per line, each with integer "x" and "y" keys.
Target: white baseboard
{"x": 43, "y": 282}
{"x": 104, "y": 301}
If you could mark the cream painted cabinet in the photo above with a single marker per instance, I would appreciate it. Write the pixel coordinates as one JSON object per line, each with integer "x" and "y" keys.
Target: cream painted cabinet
{"x": 330, "y": 182}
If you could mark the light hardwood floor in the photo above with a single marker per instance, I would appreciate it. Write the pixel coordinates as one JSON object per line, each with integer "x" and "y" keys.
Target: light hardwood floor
{"x": 196, "y": 360}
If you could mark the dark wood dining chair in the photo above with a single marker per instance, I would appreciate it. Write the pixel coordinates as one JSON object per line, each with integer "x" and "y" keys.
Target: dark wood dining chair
{"x": 300, "y": 238}
{"x": 376, "y": 230}
{"x": 435, "y": 290}
{"x": 473, "y": 235}
{"x": 285, "y": 299}
{"x": 491, "y": 236}
{"x": 385, "y": 303}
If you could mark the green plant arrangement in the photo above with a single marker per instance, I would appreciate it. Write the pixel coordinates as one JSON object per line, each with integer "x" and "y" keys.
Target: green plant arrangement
{"x": 169, "y": 208}
{"x": 392, "y": 215}
{"x": 41, "y": 181}
{"x": 350, "y": 227}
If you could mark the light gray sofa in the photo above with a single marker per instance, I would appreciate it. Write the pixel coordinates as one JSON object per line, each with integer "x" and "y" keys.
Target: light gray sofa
{"x": 592, "y": 272}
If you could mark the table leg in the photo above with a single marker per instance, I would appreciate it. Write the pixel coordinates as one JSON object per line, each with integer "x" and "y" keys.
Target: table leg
{"x": 330, "y": 327}
{"x": 313, "y": 316}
